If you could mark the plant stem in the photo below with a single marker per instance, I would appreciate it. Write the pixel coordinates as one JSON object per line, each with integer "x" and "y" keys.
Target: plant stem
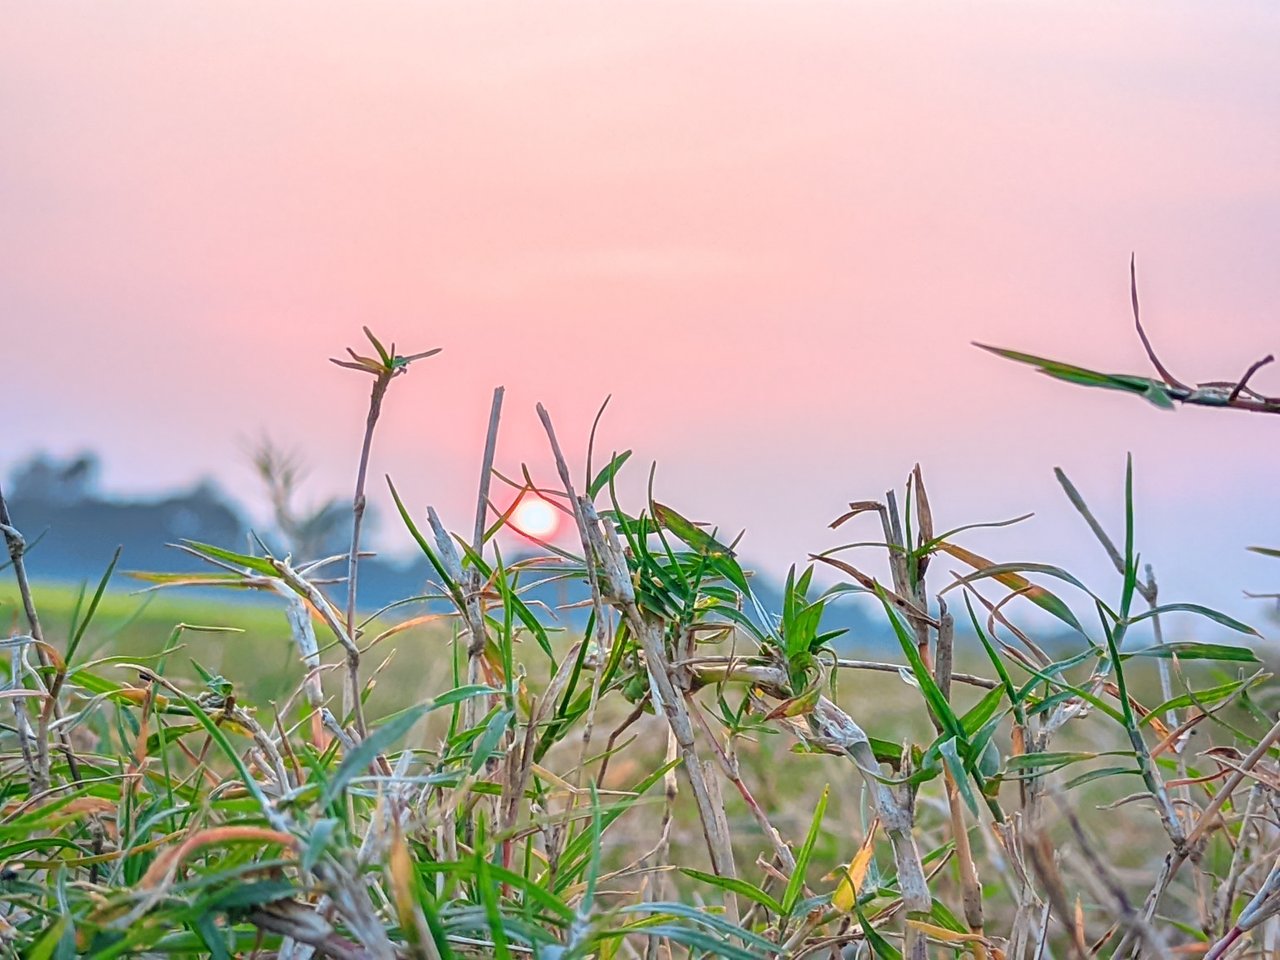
{"x": 475, "y": 650}
{"x": 17, "y": 547}
{"x": 358, "y": 501}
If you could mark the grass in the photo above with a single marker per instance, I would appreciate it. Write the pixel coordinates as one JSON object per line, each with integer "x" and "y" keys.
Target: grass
{"x": 693, "y": 775}
{"x": 256, "y": 650}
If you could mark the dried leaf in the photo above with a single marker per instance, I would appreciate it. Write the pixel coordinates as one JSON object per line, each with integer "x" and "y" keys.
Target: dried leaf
{"x": 846, "y": 895}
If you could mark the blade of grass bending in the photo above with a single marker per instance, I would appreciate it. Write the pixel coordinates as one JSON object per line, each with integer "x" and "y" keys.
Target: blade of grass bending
{"x": 493, "y": 914}
{"x": 796, "y": 884}
{"x": 1001, "y": 671}
{"x": 880, "y": 947}
{"x": 571, "y": 858}
{"x": 425, "y": 547}
{"x": 937, "y": 703}
{"x": 488, "y": 742}
{"x": 738, "y": 886}
{"x": 1207, "y": 612}
{"x": 256, "y": 564}
{"x": 1190, "y": 650}
{"x": 701, "y": 917}
{"x": 359, "y": 759}
{"x": 1201, "y": 698}
{"x": 1153, "y": 390}
{"x": 1010, "y": 574}
{"x": 606, "y": 474}
{"x": 93, "y": 607}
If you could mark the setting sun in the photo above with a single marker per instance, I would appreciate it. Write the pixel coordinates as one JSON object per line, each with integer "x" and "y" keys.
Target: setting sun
{"x": 536, "y": 518}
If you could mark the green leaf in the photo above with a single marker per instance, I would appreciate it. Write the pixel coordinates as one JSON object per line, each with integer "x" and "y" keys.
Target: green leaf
{"x": 575, "y": 850}
{"x": 1152, "y": 390}
{"x": 1188, "y": 650}
{"x": 377, "y": 345}
{"x": 880, "y": 947}
{"x": 1214, "y": 615}
{"x": 251, "y": 894}
{"x": 425, "y": 547}
{"x": 943, "y": 916}
{"x": 54, "y": 944}
{"x": 1202, "y": 698}
{"x": 696, "y": 939}
{"x": 937, "y": 703}
{"x": 740, "y": 887}
{"x": 701, "y": 917}
{"x": 188, "y": 579}
{"x": 1048, "y": 759}
{"x": 358, "y": 760}
{"x": 1042, "y": 764}
{"x": 458, "y": 694}
{"x": 214, "y": 937}
{"x": 689, "y": 532}
{"x": 951, "y": 755}
{"x": 886, "y": 751}
{"x": 796, "y": 884}
{"x": 1010, "y": 574}
{"x": 492, "y": 909}
{"x": 1100, "y": 774}
{"x": 983, "y": 710}
{"x": 702, "y": 542}
{"x": 488, "y": 742}
{"x": 321, "y": 834}
{"x": 93, "y": 607}
{"x": 1122, "y": 687}
{"x": 607, "y": 473}
{"x": 256, "y": 564}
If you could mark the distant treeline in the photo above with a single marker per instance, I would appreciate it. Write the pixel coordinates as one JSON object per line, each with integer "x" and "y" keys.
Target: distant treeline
{"x": 59, "y": 503}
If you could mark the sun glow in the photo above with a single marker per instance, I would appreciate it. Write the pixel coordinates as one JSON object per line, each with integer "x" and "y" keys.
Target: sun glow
{"x": 536, "y": 518}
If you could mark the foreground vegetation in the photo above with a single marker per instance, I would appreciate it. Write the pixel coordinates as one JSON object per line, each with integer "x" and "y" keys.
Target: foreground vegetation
{"x": 692, "y": 775}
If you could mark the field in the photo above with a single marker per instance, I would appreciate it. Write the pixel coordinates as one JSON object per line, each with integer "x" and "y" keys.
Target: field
{"x": 195, "y": 775}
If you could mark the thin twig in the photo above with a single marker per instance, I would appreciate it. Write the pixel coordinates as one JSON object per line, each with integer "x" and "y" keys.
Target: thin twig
{"x": 1253, "y": 368}
{"x": 1168, "y": 377}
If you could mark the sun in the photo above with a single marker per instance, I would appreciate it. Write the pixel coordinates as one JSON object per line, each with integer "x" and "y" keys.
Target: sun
{"x": 536, "y": 518}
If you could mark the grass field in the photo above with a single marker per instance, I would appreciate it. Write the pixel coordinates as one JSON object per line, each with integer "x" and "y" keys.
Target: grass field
{"x": 691, "y": 776}
{"x": 262, "y": 664}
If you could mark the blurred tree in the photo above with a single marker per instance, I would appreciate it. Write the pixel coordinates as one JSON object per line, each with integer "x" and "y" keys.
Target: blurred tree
{"x": 309, "y": 533}
{"x": 44, "y": 477}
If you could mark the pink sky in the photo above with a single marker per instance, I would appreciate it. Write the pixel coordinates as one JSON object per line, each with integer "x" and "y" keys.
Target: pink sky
{"x": 769, "y": 230}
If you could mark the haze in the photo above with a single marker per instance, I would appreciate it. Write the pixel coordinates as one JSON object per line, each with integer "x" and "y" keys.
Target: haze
{"x": 770, "y": 231}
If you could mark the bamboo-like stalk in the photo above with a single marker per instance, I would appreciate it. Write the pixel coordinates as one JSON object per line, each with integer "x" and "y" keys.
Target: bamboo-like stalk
{"x": 648, "y": 634}
{"x": 474, "y": 584}
{"x": 353, "y": 704}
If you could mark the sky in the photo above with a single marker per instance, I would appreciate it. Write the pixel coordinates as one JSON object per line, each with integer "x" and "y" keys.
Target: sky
{"x": 769, "y": 230}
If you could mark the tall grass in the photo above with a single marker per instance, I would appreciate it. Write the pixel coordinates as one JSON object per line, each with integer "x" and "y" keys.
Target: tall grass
{"x": 690, "y": 775}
